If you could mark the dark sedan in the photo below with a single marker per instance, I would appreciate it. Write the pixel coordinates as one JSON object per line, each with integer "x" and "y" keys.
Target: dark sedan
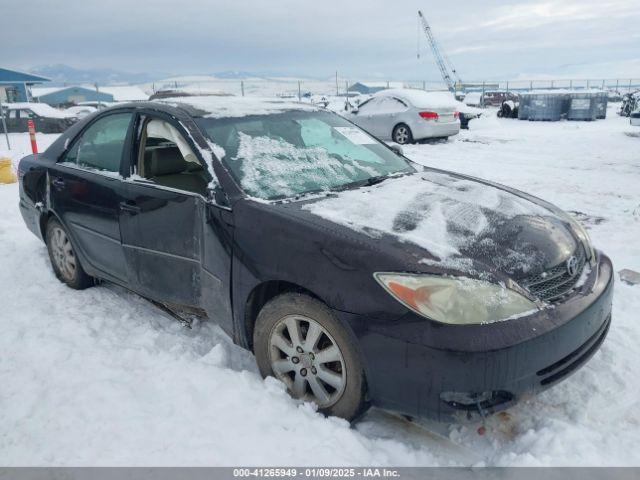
{"x": 46, "y": 119}
{"x": 356, "y": 277}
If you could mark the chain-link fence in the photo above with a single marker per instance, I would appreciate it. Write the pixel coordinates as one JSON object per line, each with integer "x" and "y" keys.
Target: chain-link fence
{"x": 300, "y": 88}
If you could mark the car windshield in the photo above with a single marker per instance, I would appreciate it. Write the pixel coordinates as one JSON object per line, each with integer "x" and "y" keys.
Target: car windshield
{"x": 293, "y": 153}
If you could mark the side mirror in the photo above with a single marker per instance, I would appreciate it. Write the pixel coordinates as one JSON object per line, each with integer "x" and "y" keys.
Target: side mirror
{"x": 216, "y": 196}
{"x": 396, "y": 148}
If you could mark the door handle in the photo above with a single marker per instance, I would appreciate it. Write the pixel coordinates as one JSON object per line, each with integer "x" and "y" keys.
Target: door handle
{"x": 58, "y": 183}
{"x": 130, "y": 208}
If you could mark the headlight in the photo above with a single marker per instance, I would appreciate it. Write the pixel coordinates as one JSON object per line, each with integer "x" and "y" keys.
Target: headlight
{"x": 584, "y": 238}
{"x": 455, "y": 300}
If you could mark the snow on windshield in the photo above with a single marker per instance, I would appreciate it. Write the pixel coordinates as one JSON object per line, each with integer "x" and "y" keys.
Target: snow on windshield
{"x": 272, "y": 167}
{"x": 438, "y": 212}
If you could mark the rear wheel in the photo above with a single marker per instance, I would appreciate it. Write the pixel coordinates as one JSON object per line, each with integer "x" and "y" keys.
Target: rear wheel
{"x": 298, "y": 341}
{"x": 64, "y": 260}
{"x": 402, "y": 134}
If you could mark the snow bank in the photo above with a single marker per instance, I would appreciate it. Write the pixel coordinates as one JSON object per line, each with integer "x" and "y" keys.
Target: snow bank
{"x": 125, "y": 93}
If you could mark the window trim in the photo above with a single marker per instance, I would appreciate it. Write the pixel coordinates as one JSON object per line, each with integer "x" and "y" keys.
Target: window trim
{"x": 127, "y": 145}
{"x": 145, "y": 115}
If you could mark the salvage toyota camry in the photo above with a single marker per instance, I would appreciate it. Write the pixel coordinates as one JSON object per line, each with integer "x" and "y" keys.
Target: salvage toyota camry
{"x": 356, "y": 276}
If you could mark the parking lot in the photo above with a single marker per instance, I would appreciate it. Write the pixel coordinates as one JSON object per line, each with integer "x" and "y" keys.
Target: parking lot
{"x": 85, "y": 376}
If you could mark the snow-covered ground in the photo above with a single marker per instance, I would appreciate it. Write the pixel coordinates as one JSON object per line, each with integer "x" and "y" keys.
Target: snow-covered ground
{"x": 101, "y": 377}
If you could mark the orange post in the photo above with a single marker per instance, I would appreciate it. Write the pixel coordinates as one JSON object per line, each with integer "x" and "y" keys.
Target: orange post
{"x": 32, "y": 136}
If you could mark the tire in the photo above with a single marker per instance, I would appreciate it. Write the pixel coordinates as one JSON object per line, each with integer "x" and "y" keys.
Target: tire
{"x": 66, "y": 264}
{"x": 302, "y": 369}
{"x": 402, "y": 134}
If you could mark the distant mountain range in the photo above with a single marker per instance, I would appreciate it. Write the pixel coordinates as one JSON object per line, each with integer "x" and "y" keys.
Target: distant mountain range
{"x": 64, "y": 74}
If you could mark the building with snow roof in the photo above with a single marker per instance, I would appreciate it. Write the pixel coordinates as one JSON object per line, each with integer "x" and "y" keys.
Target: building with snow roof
{"x": 16, "y": 86}
{"x": 126, "y": 93}
{"x": 368, "y": 88}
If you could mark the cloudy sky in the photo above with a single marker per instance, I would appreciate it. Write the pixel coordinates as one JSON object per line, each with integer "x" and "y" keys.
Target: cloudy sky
{"x": 490, "y": 39}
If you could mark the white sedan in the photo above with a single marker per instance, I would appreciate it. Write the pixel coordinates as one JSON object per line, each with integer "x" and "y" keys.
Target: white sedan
{"x": 408, "y": 115}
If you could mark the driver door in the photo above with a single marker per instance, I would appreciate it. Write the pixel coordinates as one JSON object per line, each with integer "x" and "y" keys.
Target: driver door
{"x": 177, "y": 254}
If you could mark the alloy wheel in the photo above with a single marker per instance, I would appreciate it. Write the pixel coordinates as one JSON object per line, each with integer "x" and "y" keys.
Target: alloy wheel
{"x": 308, "y": 360}
{"x": 63, "y": 255}
{"x": 402, "y": 135}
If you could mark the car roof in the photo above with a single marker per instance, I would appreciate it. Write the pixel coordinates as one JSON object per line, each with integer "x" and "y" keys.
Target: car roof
{"x": 214, "y": 106}
{"x": 219, "y": 106}
{"x": 41, "y": 109}
{"x": 420, "y": 98}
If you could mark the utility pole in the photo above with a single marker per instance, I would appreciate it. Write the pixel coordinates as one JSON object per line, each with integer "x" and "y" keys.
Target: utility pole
{"x": 4, "y": 125}
{"x": 98, "y": 92}
{"x": 337, "y": 91}
{"x": 242, "y": 87}
{"x": 299, "y": 92}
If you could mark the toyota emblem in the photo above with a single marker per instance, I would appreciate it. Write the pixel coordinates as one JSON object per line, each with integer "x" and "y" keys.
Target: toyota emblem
{"x": 572, "y": 266}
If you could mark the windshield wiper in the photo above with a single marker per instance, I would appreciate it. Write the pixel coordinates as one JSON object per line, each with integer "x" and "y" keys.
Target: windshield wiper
{"x": 367, "y": 182}
{"x": 375, "y": 180}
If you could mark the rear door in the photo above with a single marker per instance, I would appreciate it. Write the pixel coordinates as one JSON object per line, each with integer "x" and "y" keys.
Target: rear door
{"x": 85, "y": 188}
{"x": 381, "y": 115}
{"x": 13, "y": 122}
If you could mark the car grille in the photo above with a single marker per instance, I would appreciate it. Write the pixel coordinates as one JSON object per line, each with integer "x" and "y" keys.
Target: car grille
{"x": 556, "y": 282}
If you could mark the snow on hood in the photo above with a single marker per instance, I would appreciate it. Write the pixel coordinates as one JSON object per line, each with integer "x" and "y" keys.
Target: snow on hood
{"x": 441, "y": 213}
{"x": 230, "y": 107}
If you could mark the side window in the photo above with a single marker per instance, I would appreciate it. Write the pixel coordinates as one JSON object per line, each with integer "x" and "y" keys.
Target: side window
{"x": 100, "y": 147}
{"x": 369, "y": 106}
{"x": 384, "y": 105}
{"x": 166, "y": 158}
{"x": 13, "y": 113}
{"x": 26, "y": 114}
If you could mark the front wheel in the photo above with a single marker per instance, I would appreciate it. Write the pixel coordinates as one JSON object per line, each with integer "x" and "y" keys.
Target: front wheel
{"x": 402, "y": 134}
{"x": 298, "y": 341}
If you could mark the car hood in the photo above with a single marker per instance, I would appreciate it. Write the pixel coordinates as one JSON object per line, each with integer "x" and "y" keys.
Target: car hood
{"x": 454, "y": 222}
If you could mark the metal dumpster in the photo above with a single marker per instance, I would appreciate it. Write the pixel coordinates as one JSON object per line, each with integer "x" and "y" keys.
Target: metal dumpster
{"x": 540, "y": 106}
{"x": 582, "y": 106}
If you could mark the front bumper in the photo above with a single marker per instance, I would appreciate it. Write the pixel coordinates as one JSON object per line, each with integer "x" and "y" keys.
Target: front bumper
{"x": 485, "y": 368}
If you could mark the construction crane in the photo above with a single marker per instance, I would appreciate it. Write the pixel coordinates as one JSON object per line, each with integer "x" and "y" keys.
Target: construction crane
{"x": 444, "y": 64}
